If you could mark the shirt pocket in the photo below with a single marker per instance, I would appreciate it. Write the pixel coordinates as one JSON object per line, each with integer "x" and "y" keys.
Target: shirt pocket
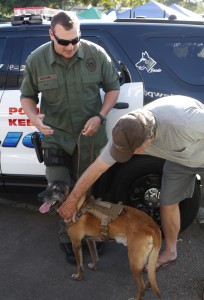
{"x": 92, "y": 78}
{"x": 48, "y": 88}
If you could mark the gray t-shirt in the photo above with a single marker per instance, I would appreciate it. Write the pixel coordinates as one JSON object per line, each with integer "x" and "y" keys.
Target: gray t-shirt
{"x": 180, "y": 131}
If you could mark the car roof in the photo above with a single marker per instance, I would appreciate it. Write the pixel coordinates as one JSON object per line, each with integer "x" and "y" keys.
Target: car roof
{"x": 126, "y": 21}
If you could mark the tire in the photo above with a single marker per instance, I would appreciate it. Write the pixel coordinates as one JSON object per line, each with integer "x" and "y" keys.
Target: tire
{"x": 137, "y": 184}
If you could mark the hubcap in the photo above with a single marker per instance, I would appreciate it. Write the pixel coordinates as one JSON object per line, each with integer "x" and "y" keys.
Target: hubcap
{"x": 144, "y": 195}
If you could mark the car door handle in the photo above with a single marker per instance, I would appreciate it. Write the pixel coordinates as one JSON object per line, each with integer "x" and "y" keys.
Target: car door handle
{"x": 121, "y": 105}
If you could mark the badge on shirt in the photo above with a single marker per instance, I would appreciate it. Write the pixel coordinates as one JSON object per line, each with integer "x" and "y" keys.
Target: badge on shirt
{"x": 91, "y": 64}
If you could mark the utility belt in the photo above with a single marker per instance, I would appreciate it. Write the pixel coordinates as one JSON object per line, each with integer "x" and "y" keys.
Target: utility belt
{"x": 56, "y": 157}
{"x": 51, "y": 156}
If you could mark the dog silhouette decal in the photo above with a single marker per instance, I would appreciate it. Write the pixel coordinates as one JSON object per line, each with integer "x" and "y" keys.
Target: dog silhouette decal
{"x": 147, "y": 63}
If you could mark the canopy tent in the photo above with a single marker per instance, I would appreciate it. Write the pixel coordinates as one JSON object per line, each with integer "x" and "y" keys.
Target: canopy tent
{"x": 90, "y": 13}
{"x": 110, "y": 10}
{"x": 185, "y": 11}
{"x": 113, "y": 13}
{"x": 151, "y": 9}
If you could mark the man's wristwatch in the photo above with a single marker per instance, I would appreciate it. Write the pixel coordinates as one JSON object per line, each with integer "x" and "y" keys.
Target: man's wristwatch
{"x": 102, "y": 118}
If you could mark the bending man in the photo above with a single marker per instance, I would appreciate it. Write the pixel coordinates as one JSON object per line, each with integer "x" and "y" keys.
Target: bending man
{"x": 171, "y": 128}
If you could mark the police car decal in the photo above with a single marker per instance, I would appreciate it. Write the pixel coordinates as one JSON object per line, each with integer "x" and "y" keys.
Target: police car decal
{"x": 147, "y": 63}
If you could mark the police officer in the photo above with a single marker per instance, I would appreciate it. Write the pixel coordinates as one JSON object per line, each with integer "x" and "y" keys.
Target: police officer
{"x": 69, "y": 72}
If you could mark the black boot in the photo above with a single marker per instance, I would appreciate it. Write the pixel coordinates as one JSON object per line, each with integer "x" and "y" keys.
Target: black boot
{"x": 67, "y": 249}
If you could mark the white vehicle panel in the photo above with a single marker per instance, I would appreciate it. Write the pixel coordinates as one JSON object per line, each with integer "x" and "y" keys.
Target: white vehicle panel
{"x": 17, "y": 153}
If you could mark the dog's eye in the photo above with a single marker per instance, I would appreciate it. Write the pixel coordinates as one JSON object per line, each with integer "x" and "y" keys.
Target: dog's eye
{"x": 56, "y": 190}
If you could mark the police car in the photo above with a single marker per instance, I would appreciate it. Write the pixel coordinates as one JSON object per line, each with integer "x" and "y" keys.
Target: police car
{"x": 154, "y": 58}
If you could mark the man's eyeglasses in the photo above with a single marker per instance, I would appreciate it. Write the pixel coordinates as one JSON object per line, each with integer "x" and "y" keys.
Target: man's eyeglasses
{"x": 66, "y": 42}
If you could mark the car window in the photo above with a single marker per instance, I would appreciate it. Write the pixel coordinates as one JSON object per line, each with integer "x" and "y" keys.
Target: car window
{"x": 3, "y": 64}
{"x": 14, "y": 63}
{"x": 183, "y": 56}
{"x": 20, "y": 48}
{"x": 30, "y": 44}
{"x": 124, "y": 74}
{"x": 2, "y": 45}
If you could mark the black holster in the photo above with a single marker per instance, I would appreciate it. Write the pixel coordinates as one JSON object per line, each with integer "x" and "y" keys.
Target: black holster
{"x": 37, "y": 143}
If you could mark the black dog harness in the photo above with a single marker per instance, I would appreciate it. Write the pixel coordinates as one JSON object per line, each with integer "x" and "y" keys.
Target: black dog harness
{"x": 104, "y": 211}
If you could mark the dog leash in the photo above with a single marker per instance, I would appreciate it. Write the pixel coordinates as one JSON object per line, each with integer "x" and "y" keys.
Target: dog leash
{"x": 79, "y": 152}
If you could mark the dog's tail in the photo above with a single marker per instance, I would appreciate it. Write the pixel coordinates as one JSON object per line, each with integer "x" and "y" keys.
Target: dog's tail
{"x": 152, "y": 262}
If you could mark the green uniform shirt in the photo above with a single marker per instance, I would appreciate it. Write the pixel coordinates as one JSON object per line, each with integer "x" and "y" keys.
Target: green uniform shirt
{"x": 70, "y": 92}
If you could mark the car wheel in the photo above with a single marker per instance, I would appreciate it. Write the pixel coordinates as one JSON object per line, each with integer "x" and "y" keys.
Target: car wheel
{"x": 138, "y": 184}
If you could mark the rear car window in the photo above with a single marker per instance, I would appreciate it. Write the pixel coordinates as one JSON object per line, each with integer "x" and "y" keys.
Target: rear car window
{"x": 183, "y": 56}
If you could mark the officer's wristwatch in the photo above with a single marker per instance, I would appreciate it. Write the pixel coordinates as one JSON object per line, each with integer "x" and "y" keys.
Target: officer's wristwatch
{"x": 102, "y": 118}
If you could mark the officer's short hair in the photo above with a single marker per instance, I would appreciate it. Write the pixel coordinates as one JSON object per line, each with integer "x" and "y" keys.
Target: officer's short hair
{"x": 68, "y": 20}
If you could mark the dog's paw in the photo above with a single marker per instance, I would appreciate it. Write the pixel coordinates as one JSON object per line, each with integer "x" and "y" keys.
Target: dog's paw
{"x": 76, "y": 277}
{"x": 92, "y": 266}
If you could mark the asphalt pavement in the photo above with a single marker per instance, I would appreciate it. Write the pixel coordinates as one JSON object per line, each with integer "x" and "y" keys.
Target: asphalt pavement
{"x": 32, "y": 266}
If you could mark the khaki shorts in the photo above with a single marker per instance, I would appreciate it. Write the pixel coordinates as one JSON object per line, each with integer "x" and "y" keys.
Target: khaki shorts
{"x": 178, "y": 182}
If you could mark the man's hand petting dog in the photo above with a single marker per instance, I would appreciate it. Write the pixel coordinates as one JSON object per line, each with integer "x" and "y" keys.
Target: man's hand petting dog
{"x": 68, "y": 209}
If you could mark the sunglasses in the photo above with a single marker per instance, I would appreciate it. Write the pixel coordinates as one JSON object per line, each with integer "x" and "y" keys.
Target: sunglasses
{"x": 66, "y": 42}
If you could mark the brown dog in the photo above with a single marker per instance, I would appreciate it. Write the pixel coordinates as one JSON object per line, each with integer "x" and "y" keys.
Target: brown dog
{"x": 134, "y": 228}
